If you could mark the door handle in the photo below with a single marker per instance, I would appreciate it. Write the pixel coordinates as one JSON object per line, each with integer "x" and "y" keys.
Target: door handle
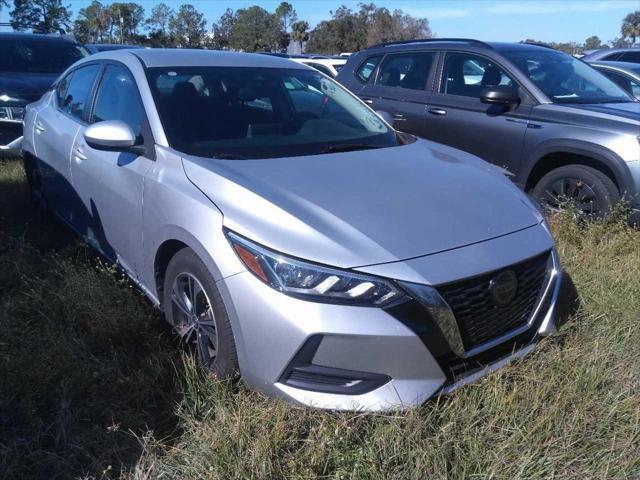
{"x": 39, "y": 127}
{"x": 79, "y": 154}
{"x": 368, "y": 101}
{"x": 437, "y": 111}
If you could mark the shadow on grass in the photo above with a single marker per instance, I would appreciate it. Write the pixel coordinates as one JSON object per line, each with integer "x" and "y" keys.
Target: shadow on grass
{"x": 86, "y": 364}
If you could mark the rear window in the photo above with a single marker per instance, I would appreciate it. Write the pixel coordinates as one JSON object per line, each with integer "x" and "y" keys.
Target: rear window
{"x": 367, "y": 68}
{"x": 38, "y": 56}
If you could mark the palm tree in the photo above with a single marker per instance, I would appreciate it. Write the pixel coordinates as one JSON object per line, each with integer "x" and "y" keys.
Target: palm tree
{"x": 631, "y": 26}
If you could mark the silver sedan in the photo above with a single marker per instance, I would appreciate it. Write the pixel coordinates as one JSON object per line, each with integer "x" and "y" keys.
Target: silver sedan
{"x": 288, "y": 233}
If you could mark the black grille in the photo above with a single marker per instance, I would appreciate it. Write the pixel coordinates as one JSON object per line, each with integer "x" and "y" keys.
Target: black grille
{"x": 479, "y": 319}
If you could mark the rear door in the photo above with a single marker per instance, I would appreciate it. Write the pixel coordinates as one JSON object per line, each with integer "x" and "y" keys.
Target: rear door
{"x": 400, "y": 88}
{"x": 55, "y": 129}
{"x": 458, "y": 118}
{"x": 110, "y": 183}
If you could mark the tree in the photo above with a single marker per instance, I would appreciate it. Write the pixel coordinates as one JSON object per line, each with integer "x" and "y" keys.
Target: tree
{"x": 159, "y": 18}
{"x": 252, "y": 30}
{"x": 283, "y": 17}
{"x": 124, "y": 21}
{"x": 158, "y": 24}
{"x": 92, "y": 23}
{"x": 299, "y": 32}
{"x": 286, "y": 14}
{"x": 222, "y": 29}
{"x": 351, "y": 31}
{"x": 188, "y": 27}
{"x": 385, "y": 26}
{"x": 44, "y": 16}
{"x": 630, "y": 28}
{"x": 592, "y": 43}
{"x": 345, "y": 32}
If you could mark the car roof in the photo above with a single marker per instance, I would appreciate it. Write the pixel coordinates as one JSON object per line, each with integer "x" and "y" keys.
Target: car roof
{"x": 603, "y": 52}
{"x": 178, "y": 57}
{"x": 447, "y": 43}
{"x": 43, "y": 37}
{"x": 629, "y": 66}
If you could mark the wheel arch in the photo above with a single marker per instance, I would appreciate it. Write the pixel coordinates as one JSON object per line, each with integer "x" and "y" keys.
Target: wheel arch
{"x": 172, "y": 240}
{"x": 554, "y": 155}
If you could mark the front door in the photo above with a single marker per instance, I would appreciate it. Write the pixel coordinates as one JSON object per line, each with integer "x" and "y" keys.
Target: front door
{"x": 458, "y": 118}
{"x": 56, "y": 128}
{"x": 111, "y": 183}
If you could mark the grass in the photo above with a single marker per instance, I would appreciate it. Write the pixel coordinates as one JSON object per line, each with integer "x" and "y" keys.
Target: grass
{"x": 93, "y": 385}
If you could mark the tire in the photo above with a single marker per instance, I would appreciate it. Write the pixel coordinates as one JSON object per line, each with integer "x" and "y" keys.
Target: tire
{"x": 207, "y": 330}
{"x": 589, "y": 190}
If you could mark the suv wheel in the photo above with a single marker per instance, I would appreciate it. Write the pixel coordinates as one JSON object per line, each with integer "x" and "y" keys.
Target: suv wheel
{"x": 194, "y": 307}
{"x": 588, "y": 190}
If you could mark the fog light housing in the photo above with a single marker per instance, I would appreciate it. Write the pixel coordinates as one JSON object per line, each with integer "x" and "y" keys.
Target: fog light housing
{"x": 301, "y": 373}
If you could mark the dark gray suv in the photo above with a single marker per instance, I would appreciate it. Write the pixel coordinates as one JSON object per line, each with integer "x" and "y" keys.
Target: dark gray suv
{"x": 563, "y": 130}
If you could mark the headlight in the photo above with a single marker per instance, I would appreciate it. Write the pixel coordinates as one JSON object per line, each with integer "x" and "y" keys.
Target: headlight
{"x": 312, "y": 282}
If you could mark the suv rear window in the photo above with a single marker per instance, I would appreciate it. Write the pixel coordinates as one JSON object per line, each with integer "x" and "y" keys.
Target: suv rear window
{"x": 38, "y": 56}
{"x": 367, "y": 68}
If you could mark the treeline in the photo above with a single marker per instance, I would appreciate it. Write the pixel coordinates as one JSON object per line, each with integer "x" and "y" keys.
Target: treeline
{"x": 247, "y": 29}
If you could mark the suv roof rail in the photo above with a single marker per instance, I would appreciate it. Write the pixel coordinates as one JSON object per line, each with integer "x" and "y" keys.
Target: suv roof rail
{"x": 537, "y": 44}
{"x": 479, "y": 43}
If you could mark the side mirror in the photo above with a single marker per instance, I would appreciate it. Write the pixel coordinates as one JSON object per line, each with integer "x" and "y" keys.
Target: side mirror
{"x": 386, "y": 116}
{"x": 111, "y": 135}
{"x": 500, "y": 95}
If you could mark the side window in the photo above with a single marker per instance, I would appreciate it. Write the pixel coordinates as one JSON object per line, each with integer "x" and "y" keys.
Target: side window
{"x": 367, "y": 68}
{"x": 467, "y": 75}
{"x": 61, "y": 89}
{"x": 118, "y": 99}
{"x": 612, "y": 57}
{"x": 76, "y": 96}
{"x": 620, "y": 80}
{"x": 633, "y": 57}
{"x": 409, "y": 70}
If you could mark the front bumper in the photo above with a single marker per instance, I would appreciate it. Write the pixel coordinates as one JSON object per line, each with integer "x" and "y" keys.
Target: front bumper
{"x": 399, "y": 364}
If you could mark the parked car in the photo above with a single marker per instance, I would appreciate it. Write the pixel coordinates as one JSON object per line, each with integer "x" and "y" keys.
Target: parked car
{"x": 105, "y": 47}
{"x": 328, "y": 66}
{"x": 29, "y": 64}
{"x": 626, "y": 75}
{"x": 631, "y": 55}
{"x": 564, "y": 131}
{"x": 287, "y": 231}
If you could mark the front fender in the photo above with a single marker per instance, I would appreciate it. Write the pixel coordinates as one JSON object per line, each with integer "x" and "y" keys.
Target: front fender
{"x": 597, "y": 152}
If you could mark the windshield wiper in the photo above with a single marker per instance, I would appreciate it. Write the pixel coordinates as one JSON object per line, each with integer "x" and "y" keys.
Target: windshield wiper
{"x": 349, "y": 147}
{"x": 228, "y": 156}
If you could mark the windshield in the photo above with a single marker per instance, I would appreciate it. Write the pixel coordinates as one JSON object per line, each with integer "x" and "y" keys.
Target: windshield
{"x": 38, "y": 56}
{"x": 241, "y": 112}
{"x": 565, "y": 79}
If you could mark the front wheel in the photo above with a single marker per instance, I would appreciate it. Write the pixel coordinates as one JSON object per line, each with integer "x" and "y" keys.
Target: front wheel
{"x": 193, "y": 306}
{"x": 589, "y": 191}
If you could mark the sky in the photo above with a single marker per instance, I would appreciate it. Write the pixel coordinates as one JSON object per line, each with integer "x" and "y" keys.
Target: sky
{"x": 497, "y": 20}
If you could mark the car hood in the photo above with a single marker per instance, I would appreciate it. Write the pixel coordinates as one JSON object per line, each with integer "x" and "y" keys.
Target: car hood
{"x": 28, "y": 87}
{"x": 629, "y": 110}
{"x": 365, "y": 207}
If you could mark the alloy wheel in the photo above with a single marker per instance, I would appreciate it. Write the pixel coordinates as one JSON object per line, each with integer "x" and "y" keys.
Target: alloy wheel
{"x": 571, "y": 192}
{"x": 194, "y": 320}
